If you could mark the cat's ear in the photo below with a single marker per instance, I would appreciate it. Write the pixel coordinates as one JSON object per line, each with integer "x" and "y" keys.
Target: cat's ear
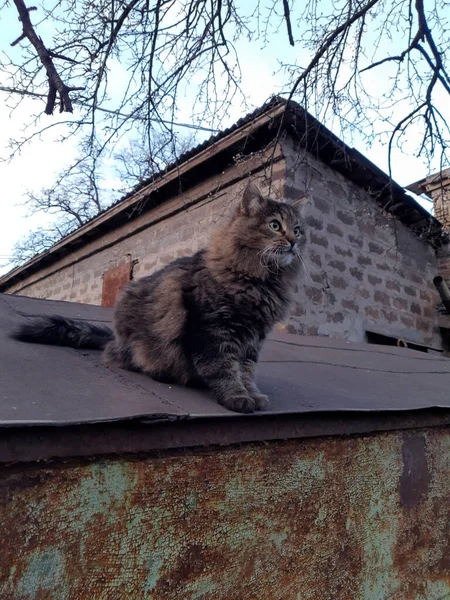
{"x": 300, "y": 204}
{"x": 252, "y": 200}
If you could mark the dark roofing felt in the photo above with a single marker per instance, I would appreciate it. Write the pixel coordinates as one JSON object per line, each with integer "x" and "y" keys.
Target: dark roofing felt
{"x": 53, "y": 389}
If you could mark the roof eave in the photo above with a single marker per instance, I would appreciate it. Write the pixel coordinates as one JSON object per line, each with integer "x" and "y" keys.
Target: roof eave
{"x": 130, "y": 201}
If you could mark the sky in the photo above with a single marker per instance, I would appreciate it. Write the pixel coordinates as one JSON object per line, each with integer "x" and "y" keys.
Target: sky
{"x": 38, "y": 163}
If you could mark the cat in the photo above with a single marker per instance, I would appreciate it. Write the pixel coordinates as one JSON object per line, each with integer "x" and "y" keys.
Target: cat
{"x": 203, "y": 318}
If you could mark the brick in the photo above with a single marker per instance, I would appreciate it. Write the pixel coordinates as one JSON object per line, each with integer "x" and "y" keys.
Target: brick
{"x": 423, "y": 324}
{"x": 335, "y": 230}
{"x": 339, "y": 282}
{"x": 314, "y": 222}
{"x": 350, "y": 305}
{"x": 335, "y": 317}
{"x": 314, "y": 294}
{"x": 340, "y": 251}
{"x": 322, "y": 205}
{"x": 392, "y": 285}
{"x": 330, "y": 298}
{"x": 429, "y": 312}
{"x": 315, "y": 258}
{"x": 292, "y": 192}
{"x": 320, "y": 240}
{"x": 375, "y": 248}
{"x": 382, "y": 298}
{"x": 337, "y": 190}
{"x": 345, "y": 217}
{"x": 383, "y": 267}
{"x": 415, "y": 308}
{"x": 311, "y": 331}
{"x": 364, "y": 261}
{"x": 389, "y": 315}
{"x": 339, "y": 265}
{"x": 317, "y": 276}
{"x": 356, "y": 240}
{"x": 299, "y": 310}
{"x": 410, "y": 291}
{"x": 407, "y": 321}
{"x": 364, "y": 293}
{"x": 357, "y": 273}
{"x": 416, "y": 278}
{"x": 367, "y": 227}
{"x": 373, "y": 313}
{"x": 374, "y": 279}
{"x": 400, "y": 303}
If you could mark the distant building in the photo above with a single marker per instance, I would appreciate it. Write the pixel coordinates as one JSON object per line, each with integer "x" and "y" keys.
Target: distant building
{"x": 437, "y": 188}
{"x": 371, "y": 252}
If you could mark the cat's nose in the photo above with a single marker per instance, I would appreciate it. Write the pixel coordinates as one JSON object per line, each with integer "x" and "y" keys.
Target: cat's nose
{"x": 293, "y": 244}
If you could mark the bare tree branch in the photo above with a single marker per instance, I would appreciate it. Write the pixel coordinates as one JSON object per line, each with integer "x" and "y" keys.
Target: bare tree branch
{"x": 287, "y": 17}
{"x": 55, "y": 82}
{"x": 376, "y": 69}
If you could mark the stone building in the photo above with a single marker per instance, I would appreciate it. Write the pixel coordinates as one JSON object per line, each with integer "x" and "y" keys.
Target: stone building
{"x": 437, "y": 188}
{"x": 371, "y": 252}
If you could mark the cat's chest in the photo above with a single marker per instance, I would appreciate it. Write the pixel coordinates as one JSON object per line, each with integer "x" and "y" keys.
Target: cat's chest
{"x": 258, "y": 305}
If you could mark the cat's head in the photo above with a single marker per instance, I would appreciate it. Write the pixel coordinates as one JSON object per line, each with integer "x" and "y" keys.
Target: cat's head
{"x": 274, "y": 230}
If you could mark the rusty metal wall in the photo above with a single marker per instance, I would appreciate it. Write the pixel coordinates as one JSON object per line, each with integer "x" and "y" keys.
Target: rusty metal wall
{"x": 338, "y": 518}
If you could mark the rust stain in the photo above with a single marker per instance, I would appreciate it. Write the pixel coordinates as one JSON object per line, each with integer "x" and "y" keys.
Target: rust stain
{"x": 415, "y": 478}
{"x": 114, "y": 280}
{"x": 311, "y": 519}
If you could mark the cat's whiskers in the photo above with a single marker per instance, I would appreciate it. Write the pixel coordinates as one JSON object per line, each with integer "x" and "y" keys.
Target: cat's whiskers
{"x": 265, "y": 255}
{"x": 302, "y": 260}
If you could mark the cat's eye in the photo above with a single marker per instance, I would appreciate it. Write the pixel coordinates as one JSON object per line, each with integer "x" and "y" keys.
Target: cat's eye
{"x": 275, "y": 225}
{"x": 297, "y": 231}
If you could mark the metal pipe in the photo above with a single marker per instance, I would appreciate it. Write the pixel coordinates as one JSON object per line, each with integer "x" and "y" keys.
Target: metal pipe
{"x": 443, "y": 290}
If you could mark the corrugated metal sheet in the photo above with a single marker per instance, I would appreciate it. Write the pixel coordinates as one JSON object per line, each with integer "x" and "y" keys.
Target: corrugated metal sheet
{"x": 344, "y": 518}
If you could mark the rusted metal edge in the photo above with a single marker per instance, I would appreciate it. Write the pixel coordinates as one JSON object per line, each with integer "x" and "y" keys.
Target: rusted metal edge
{"x": 43, "y": 443}
{"x": 154, "y": 418}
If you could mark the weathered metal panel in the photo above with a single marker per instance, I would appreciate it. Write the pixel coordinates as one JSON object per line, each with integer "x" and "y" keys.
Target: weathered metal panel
{"x": 339, "y": 518}
{"x": 114, "y": 280}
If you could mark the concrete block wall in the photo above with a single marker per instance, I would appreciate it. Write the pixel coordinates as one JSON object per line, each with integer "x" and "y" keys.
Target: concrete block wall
{"x": 165, "y": 233}
{"x": 366, "y": 270}
{"x": 443, "y": 255}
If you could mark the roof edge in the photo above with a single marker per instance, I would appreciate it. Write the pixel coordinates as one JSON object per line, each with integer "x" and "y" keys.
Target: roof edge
{"x": 273, "y": 110}
{"x": 277, "y": 111}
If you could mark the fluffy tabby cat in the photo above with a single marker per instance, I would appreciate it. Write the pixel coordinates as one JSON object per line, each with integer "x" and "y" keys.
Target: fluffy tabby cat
{"x": 202, "y": 318}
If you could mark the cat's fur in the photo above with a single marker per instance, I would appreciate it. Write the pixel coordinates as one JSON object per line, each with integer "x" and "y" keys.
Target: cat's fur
{"x": 202, "y": 318}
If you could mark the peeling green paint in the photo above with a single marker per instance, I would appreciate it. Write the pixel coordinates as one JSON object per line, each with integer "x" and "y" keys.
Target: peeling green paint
{"x": 311, "y": 519}
{"x": 44, "y": 574}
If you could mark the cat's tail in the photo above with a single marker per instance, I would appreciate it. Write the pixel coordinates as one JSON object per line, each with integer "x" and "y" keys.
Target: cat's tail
{"x": 59, "y": 331}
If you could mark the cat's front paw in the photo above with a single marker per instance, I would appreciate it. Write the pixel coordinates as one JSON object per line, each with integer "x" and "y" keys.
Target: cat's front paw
{"x": 261, "y": 401}
{"x": 240, "y": 404}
